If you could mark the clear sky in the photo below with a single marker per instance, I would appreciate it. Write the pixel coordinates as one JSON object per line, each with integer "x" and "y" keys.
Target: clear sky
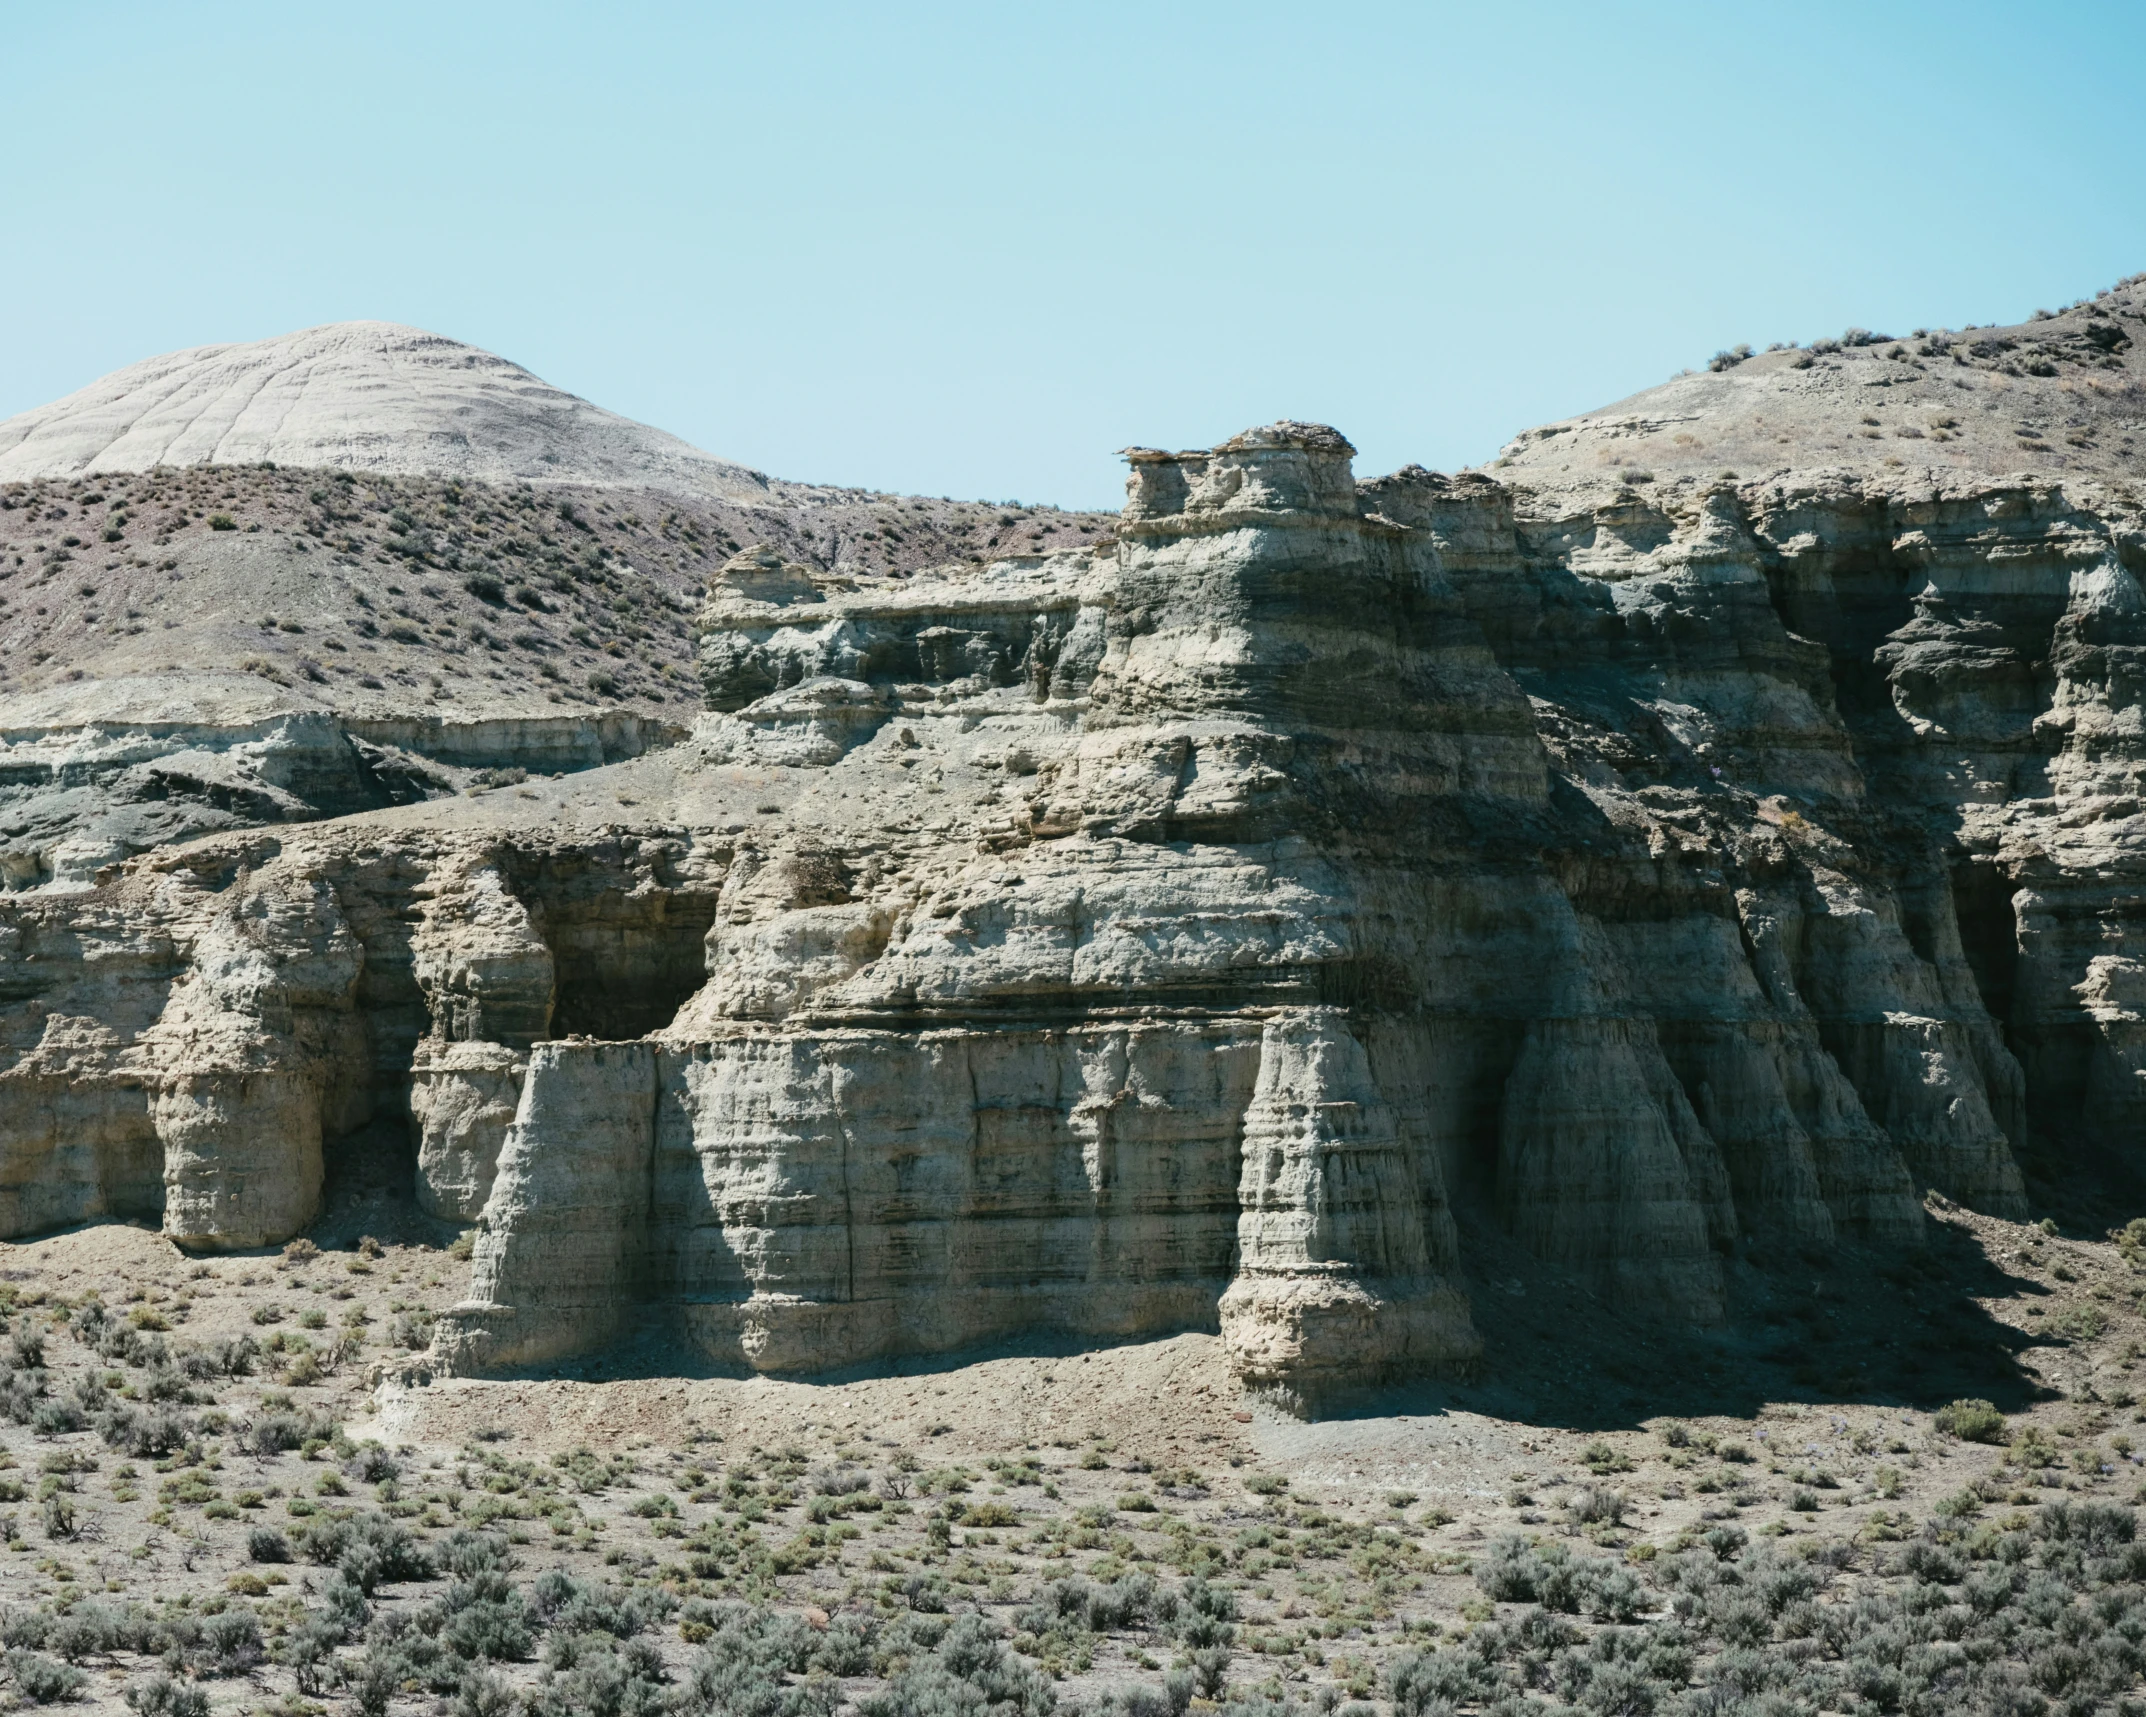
{"x": 973, "y": 250}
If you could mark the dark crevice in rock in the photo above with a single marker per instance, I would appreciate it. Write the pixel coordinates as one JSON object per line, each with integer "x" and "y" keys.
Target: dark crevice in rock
{"x": 1982, "y": 898}
{"x": 626, "y": 973}
{"x": 627, "y": 951}
{"x": 379, "y": 1158}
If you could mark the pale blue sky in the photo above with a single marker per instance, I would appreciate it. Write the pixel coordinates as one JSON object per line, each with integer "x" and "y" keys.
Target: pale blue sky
{"x": 972, "y": 250}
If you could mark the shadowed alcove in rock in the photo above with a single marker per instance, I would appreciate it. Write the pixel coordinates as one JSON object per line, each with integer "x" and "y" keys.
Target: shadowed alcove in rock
{"x": 628, "y": 947}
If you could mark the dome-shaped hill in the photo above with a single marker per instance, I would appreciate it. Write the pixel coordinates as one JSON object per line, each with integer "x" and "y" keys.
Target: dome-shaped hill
{"x": 361, "y": 396}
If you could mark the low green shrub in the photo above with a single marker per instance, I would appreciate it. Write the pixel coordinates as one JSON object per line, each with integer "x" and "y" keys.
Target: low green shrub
{"x": 1971, "y": 1421}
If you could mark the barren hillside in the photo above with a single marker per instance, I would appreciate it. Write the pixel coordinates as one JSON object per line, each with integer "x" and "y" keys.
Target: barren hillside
{"x": 190, "y": 644}
{"x": 2059, "y": 396}
{"x": 370, "y": 594}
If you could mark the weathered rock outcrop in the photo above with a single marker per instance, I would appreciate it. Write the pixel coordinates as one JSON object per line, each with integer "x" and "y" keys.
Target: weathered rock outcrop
{"x": 1212, "y": 929}
{"x": 98, "y": 786}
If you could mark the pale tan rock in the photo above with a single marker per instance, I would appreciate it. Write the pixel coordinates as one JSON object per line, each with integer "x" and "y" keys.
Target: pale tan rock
{"x": 1335, "y": 1286}
{"x": 242, "y": 1164}
{"x": 462, "y": 1102}
{"x": 75, "y": 1148}
{"x": 823, "y": 1198}
{"x": 487, "y": 974}
{"x": 1209, "y": 932}
{"x": 561, "y": 1253}
{"x": 254, "y": 1053}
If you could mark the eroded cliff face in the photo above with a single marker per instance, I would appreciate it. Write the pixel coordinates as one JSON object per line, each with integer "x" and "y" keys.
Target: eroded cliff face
{"x": 100, "y": 783}
{"x": 1211, "y": 929}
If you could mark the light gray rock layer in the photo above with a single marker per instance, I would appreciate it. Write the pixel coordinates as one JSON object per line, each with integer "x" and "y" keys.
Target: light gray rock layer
{"x": 1216, "y": 930}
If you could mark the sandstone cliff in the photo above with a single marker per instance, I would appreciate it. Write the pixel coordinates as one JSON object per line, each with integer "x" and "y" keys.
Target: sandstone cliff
{"x": 1213, "y": 929}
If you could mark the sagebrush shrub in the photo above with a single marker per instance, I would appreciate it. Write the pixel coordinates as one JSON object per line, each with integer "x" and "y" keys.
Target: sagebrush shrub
{"x": 26, "y": 1345}
{"x": 54, "y": 1417}
{"x": 277, "y": 1433}
{"x": 368, "y": 1550}
{"x": 161, "y": 1696}
{"x": 43, "y": 1680}
{"x": 266, "y": 1544}
{"x": 1972, "y": 1421}
{"x": 230, "y": 1644}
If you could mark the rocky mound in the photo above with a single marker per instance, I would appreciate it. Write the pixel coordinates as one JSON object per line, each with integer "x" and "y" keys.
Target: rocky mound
{"x": 2063, "y": 395}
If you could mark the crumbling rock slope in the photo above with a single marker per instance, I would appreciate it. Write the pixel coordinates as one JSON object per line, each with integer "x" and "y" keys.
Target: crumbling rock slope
{"x": 1214, "y": 928}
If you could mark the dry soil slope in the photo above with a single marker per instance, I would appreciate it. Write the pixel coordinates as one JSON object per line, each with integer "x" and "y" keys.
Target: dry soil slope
{"x": 368, "y": 480}
{"x": 2061, "y": 395}
{"x": 362, "y": 593}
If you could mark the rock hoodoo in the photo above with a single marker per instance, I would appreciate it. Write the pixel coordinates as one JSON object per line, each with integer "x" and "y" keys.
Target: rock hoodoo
{"x": 1214, "y": 928}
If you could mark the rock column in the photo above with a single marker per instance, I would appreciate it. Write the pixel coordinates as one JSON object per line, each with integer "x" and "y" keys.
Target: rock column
{"x": 1334, "y": 1289}
{"x": 562, "y": 1254}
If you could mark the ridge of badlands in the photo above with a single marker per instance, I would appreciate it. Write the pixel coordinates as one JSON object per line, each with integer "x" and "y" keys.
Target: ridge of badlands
{"x": 494, "y": 578}
{"x": 1211, "y": 929}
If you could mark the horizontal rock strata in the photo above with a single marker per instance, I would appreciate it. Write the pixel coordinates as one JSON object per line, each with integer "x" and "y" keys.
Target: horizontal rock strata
{"x": 79, "y": 796}
{"x": 1190, "y": 933}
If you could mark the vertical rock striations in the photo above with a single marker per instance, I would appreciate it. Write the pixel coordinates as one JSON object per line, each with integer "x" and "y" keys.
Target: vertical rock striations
{"x": 489, "y": 980}
{"x": 1337, "y": 1282}
{"x": 1211, "y": 929}
{"x": 563, "y": 1259}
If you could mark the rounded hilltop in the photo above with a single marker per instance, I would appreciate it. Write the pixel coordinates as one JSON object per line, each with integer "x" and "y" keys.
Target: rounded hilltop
{"x": 355, "y": 396}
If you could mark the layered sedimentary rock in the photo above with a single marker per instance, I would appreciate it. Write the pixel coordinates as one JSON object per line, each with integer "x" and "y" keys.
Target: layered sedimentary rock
{"x": 1213, "y": 929}
{"x": 100, "y": 785}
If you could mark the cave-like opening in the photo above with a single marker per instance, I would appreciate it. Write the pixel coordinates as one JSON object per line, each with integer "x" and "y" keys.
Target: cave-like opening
{"x": 626, "y": 964}
{"x": 1989, "y": 935}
